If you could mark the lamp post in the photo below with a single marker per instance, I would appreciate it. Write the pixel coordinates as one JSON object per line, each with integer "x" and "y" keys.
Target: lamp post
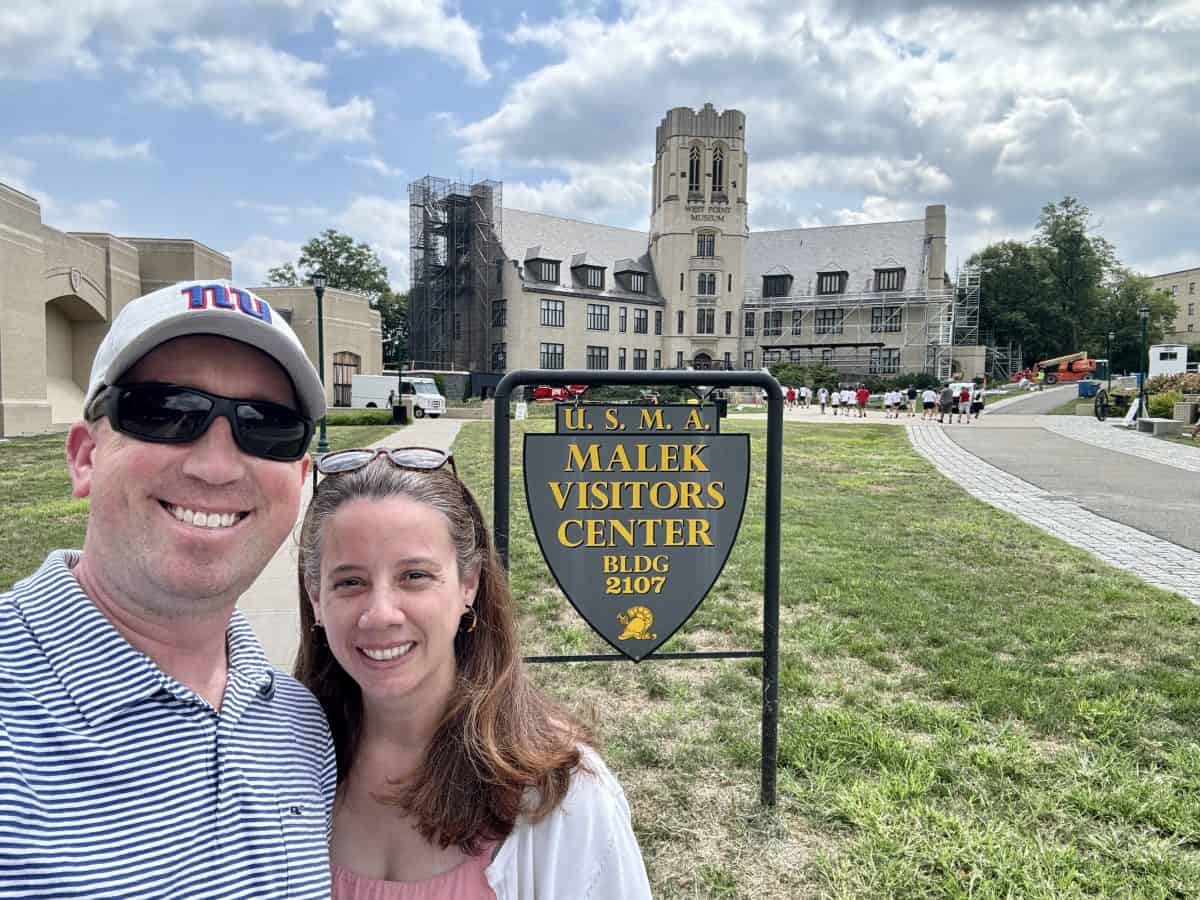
{"x": 318, "y": 283}
{"x": 1108, "y": 339}
{"x": 1144, "y": 315}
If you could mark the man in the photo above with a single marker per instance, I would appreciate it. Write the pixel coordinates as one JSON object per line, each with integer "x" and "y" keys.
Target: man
{"x": 147, "y": 748}
{"x": 861, "y": 396}
{"x": 946, "y": 404}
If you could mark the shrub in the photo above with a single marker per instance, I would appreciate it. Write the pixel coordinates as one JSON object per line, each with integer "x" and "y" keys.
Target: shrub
{"x": 1188, "y": 383}
{"x": 1162, "y": 406}
{"x": 360, "y": 417}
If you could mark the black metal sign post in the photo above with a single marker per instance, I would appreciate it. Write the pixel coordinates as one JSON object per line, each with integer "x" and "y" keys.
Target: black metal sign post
{"x": 701, "y": 541}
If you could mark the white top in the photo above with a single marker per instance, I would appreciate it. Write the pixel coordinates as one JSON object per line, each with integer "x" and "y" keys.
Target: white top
{"x": 929, "y": 396}
{"x": 836, "y": 398}
{"x": 822, "y": 395}
{"x": 847, "y": 396}
{"x": 805, "y": 392}
{"x": 585, "y": 849}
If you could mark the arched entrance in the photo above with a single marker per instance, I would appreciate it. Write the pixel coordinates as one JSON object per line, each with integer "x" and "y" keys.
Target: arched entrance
{"x": 73, "y": 332}
{"x": 702, "y": 361}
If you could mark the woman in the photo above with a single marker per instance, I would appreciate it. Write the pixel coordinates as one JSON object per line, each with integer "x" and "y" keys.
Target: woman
{"x": 456, "y": 778}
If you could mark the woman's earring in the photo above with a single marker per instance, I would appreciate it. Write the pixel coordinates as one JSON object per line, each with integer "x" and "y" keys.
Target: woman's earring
{"x": 474, "y": 618}
{"x": 317, "y": 626}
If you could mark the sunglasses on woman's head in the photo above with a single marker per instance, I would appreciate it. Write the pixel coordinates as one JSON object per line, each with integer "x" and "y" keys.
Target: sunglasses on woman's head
{"x": 421, "y": 459}
{"x": 171, "y": 414}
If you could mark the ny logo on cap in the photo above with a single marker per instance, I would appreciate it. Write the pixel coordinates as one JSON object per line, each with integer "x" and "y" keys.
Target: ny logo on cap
{"x": 201, "y": 296}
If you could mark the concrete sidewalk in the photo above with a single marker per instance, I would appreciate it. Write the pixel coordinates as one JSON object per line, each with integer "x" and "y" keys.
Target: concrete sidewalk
{"x": 272, "y": 602}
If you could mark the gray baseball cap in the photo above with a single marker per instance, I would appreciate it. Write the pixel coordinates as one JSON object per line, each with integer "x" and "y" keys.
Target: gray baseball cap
{"x": 204, "y": 307}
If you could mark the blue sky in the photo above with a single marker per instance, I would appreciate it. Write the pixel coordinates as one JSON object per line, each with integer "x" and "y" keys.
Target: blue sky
{"x": 253, "y": 126}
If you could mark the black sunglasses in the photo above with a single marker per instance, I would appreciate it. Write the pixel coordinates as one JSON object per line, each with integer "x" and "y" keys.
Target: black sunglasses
{"x": 422, "y": 459}
{"x": 170, "y": 414}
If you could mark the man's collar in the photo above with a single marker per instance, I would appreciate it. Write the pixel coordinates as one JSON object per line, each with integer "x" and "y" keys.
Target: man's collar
{"x": 101, "y": 671}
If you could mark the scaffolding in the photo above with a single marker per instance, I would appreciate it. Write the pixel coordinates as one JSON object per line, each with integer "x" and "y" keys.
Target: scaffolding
{"x": 455, "y": 229}
{"x": 868, "y": 333}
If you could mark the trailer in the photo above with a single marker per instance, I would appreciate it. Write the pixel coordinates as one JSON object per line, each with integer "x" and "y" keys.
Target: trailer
{"x": 1069, "y": 367}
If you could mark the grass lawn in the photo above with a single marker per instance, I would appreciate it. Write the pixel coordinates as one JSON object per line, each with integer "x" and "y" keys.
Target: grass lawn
{"x": 38, "y": 513}
{"x": 965, "y": 712}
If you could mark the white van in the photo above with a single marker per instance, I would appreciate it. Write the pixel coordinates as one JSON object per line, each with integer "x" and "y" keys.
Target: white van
{"x": 374, "y": 391}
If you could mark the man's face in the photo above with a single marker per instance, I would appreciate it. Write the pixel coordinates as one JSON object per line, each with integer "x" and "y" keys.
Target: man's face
{"x": 140, "y": 545}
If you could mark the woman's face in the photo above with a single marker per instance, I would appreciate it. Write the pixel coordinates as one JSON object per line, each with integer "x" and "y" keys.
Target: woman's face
{"x": 391, "y": 597}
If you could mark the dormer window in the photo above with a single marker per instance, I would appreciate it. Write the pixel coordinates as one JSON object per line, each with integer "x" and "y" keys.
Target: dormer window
{"x": 889, "y": 279}
{"x": 777, "y": 285}
{"x": 832, "y": 282}
{"x": 637, "y": 282}
{"x": 593, "y": 277}
{"x": 545, "y": 270}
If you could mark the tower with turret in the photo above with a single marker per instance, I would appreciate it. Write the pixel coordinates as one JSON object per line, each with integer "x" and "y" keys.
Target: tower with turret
{"x": 698, "y": 233}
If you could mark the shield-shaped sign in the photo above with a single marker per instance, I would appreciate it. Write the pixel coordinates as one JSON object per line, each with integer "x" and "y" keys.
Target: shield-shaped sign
{"x": 636, "y": 510}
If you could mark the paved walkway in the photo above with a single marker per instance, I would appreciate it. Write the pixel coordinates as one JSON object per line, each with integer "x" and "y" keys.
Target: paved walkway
{"x": 1160, "y": 562}
{"x": 1034, "y": 403}
{"x": 272, "y": 602}
{"x": 1110, "y": 436}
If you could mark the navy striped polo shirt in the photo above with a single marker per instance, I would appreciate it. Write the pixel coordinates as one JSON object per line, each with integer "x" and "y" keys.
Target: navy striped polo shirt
{"x": 118, "y": 781}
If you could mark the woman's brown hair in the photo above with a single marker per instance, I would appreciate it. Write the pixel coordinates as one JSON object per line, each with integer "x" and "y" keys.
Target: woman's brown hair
{"x": 501, "y": 749}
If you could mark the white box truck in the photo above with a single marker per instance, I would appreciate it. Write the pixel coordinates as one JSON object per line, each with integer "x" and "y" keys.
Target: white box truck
{"x": 1168, "y": 359}
{"x": 375, "y": 392}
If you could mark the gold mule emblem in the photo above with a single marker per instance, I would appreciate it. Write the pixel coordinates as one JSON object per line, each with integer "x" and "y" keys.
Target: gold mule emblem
{"x": 637, "y": 621}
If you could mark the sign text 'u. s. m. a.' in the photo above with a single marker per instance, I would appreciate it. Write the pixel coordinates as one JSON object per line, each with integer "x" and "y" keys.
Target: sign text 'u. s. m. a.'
{"x": 636, "y": 509}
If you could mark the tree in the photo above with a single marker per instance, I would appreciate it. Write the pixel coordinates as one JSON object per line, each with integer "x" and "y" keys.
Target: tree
{"x": 1011, "y": 305}
{"x": 1077, "y": 266}
{"x": 346, "y": 265}
{"x": 1125, "y": 293}
{"x": 393, "y": 316}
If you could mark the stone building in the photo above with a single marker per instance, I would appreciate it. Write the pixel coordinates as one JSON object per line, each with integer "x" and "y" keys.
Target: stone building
{"x": 698, "y": 290}
{"x": 1182, "y": 288}
{"x": 60, "y": 290}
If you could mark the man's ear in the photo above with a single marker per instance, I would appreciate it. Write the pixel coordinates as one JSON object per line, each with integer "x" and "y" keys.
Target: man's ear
{"x": 81, "y": 453}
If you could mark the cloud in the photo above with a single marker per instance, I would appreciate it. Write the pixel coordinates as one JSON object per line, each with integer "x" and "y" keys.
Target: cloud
{"x": 256, "y": 84}
{"x": 600, "y": 193}
{"x": 15, "y": 171}
{"x": 102, "y": 149}
{"x": 376, "y": 165}
{"x": 280, "y": 213}
{"x": 424, "y": 24}
{"x": 258, "y": 254}
{"x": 381, "y": 223}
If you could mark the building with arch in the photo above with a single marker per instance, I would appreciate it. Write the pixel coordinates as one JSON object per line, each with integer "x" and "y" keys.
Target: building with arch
{"x": 60, "y": 290}
{"x": 699, "y": 289}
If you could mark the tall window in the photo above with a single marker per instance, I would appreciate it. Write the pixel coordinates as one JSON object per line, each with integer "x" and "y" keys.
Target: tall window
{"x": 554, "y": 313}
{"x": 621, "y": 358}
{"x": 748, "y": 323}
{"x": 499, "y": 357}
{"x": 797, "y": 321}
{"x": 884, "y": 361}
{"x": 499, "y": 313}
{"x": 597, "y": 357}
{"x": 1191, "y": 287}
{"x": 679, "y": 322}
{"x": 551, "y": 356}
{"x": 707, "y": 284}
{"x": 623, "y": 319}
{"x": 637, "y": 282}
{"x": 773, "y": 323}
{"x": 705, "y": 321}
{"x": 748, "y": 359}
{"x": 827, "y": 356}
{"x": 728, "y": 322}
{"x": 345, "y": 366}
{"x": 718, "y": 170}
{"x": 728, "y": 362}
{"x": 594, "y": 277}
{"x": 597, "y": 317}
{"x": 639, "y": 360}
{"x": 777, "y": 285}
{"x": 889, "y": 279}
{"x": 694, "y": 172}
{"x": 641, "y": 321}
{"x": 658, "y": 321}
{"x": 658, "y": 359}
{"x": 706, "y": 244}
{"x": 829, "y": 321}
{"x": 831, "y": 282}
{"x": 885, "y": 318}
{"x": 679, "y": 359}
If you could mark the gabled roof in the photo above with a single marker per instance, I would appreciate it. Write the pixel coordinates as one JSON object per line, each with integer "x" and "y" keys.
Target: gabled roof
{"x": 585, "y": 244}
{"x": 856, "y": 249}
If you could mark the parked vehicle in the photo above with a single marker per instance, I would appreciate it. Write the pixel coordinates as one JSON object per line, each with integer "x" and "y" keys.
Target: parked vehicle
{"x": 558, "y": 393}
{"x": 1071, "y": 367}
{"x": 374, "y": 391}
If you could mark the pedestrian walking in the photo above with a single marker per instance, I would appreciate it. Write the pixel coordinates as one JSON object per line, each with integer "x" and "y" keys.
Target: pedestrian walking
{"x": 946, "y": 405}
{"x": 822, "y": 398}
{"x": 964, "y": 404}
{"x": 912, "y": 401}
{"x": 861, "y": 396}
{"x": 977, "y": 401}
{"x": 928, "y": 402}
{"x": 835, "y": 400}
{"x": 791, "y": 398}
